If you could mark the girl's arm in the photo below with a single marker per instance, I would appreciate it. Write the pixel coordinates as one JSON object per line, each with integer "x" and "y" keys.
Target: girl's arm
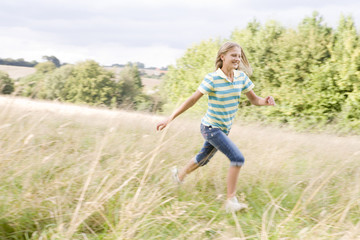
{"x": 185, "y": 106}
{"x": 259, "y": 101}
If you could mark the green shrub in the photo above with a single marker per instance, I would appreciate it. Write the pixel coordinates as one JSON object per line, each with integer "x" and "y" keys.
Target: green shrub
{"x": 6, "y": 83}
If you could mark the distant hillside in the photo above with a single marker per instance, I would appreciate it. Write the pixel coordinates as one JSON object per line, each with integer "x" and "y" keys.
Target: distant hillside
{"x": 16, "y": 72}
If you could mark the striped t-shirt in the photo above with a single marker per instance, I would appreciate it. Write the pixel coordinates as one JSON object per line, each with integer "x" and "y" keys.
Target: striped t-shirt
{"x": 223, "y": 97}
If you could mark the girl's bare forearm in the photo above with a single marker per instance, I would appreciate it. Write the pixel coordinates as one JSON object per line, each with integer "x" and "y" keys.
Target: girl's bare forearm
{"x": 259, "y": 101}
{"x": 185, "y": 106}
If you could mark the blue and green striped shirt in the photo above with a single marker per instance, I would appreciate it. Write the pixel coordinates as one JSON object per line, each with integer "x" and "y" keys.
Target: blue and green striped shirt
{"x": 223, "y": 97}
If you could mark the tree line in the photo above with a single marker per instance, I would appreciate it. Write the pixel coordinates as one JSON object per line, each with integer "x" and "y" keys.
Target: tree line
{"x": 22, "y": 63}
{"x": 85, "y": 82}
{"x": 313, "y": 71}
{"x": 17, "y": 62}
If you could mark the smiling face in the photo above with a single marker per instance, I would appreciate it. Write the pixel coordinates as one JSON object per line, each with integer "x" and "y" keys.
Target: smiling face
{"x": 231, "y": 59}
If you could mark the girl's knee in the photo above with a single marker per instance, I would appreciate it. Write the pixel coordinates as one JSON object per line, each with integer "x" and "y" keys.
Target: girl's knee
{"x": 204, "y": 156}
{"x": 237, "y": 160}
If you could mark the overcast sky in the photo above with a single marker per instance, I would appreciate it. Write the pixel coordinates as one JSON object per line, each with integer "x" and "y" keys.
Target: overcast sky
{"x": 154, "y": 32}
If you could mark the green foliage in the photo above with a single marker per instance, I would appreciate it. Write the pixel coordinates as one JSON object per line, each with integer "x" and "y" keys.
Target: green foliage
{"x": 45, "y": 67}
{"x": 149, "y": 103}
{"x": 89, "y": 83}
{"x": 42, "y": 84}
{"x": 32, "y": 85}
{"x": 17, "y": 62}
{"x": 86, "y": 82}
{"x": 190, "y": 70}
{"x": 6, "y": 83}
{"x": 313, "y": 71}
{"x": 131, "y": 84}
{"x": 132, "y": 95}
{"x": 184, "y": 78}
{"x": 53, "y": 59}
{"x": 54, "y": 83}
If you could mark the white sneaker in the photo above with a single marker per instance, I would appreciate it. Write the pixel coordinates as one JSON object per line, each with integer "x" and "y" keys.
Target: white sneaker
{"x": 233, "y": 205}
{"x": 175, "y": 175}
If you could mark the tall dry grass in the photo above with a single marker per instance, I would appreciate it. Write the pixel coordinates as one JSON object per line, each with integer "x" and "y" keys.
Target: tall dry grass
{"x": 70, "y": 172}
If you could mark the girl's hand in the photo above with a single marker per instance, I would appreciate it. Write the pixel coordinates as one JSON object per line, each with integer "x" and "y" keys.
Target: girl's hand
{"x": 185, "y": 106}
{"x": 269, "y": 101}
{"x": 161, "y": 125}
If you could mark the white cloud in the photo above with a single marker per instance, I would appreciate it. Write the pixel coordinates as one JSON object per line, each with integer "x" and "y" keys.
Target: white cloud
{"x": 157, "y": 55}
{"x": 153, "y": 32}
{"x": 34, "y": 47}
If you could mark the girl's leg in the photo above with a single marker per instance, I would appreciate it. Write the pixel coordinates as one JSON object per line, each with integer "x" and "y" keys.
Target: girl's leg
{"x": 201, "y": 159}
{"x": 222, "y": 142}
{"x": 189, "y": 167}
{"x": 233, "y": 176}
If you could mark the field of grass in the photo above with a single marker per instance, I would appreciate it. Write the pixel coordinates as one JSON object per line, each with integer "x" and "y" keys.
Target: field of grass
{"x": 70, "y": 172}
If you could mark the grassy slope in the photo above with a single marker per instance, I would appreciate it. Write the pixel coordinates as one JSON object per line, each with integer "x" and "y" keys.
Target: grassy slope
{"x": 71, "y": 172}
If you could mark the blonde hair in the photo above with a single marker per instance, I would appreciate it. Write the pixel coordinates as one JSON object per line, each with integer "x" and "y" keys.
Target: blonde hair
{"x": 244, "y": 63}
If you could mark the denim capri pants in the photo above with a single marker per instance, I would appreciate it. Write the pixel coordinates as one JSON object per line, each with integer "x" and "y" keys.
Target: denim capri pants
{"x": 216, "y": 139}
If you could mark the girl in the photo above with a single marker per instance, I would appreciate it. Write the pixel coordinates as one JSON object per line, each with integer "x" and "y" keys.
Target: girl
{"x": 223, "y": 88}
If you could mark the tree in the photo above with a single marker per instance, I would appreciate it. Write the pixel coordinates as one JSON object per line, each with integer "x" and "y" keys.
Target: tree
{"x": 17, "y": 62}
{"x": 34, "y": 85}
{"x": 55, "y": 83}
{"x": 31, "y": 85}
{"x": 45, "y": 67}
{"x": 184, "y": 78}
{"x": 90, "y": 83}
{"x": 52, "y": 59}
{"x": 299, "y": 55}
{"x": 345, "y": 63}
{"x": 131, "y": 85}
{"x": 258, "y": 43}
{"x": 139, "y": 65}
{"x": 6, "y": 83}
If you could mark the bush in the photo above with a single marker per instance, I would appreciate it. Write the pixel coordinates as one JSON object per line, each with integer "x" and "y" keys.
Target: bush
{"x": 90, "y": 83}
{"x": 55, "y": 83}
{"x": 6, "y": 83}
{"x": 149, "y": 103}
{"x": 45, "y": 67}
